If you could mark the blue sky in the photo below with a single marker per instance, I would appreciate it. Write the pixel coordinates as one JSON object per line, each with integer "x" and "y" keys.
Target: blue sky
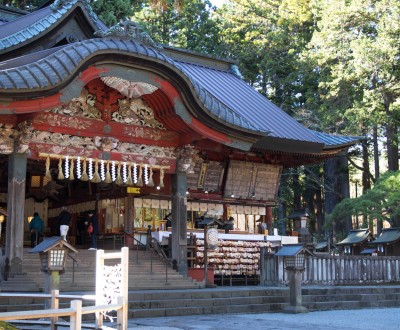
{"x": 217, "y": 3}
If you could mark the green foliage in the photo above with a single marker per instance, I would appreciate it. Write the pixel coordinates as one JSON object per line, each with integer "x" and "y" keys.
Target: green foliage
{"x": 22, "y": 4}
{"x": 267, "y": 38}
{"x": 189, "y": 25}
{"x": 6, "y": 326}
{"x": 381, "y": 202}
{"x": 113, "y": 11}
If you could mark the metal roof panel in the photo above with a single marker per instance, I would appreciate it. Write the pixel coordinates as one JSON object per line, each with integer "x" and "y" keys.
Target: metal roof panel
{"x": 247, "y": 103}
{"x": 389, "y": 235}
{"x": 355, "y": 236}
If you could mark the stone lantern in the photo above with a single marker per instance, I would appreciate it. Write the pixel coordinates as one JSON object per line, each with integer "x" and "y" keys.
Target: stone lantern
{"x": 294, "y": 261}
{"x": 53, "y": 252}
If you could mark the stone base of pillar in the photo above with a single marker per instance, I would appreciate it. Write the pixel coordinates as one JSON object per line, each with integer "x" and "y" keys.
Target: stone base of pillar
{"x": 295, "y": 309}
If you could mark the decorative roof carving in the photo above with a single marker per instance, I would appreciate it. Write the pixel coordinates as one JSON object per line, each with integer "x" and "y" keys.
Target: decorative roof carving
{"x": 6, "y": 139}
{"x": 58, "y": 4}
{"x": 136, "y": 112}
{"x": 127, "y": 88}
{"x": 234, "y": 69}
{"x": 82, "y": 106}
{"x": 187, "y": 157}
{"x": 15, "y": 139}
{"x": 102, "y": 144}
{"x": 22, "y": 137}
{"x": 132, "y": 112}
{"x": 129, "y": 30}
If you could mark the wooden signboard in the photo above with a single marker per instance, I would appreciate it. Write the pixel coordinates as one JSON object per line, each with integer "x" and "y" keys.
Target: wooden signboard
{"x": 256, "y": 181}
{"x": 207, "y": 176}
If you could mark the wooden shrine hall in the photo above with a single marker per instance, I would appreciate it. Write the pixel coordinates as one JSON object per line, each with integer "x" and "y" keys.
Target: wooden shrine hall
{"x": 91, "y": 115}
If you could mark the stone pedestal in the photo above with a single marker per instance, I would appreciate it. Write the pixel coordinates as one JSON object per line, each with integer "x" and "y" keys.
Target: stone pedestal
{"x": 295, "y": 295}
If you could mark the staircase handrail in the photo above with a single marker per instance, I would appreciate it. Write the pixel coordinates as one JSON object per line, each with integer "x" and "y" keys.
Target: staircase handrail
{"x": 74, "y": 262}
{"x": 134, "y": 238}
{"x": 156, "y": 246}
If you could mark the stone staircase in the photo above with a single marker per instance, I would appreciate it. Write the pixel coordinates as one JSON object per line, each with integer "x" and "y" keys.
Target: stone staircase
{"x": 156, "y": 290}
{"x": 146, "y": 272}
{"x": 223, "y": 300}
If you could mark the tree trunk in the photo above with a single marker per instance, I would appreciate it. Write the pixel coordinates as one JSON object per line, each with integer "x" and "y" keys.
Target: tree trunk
{"x": 337, "y": 188}
{"x": 296, "y": 190}
{"x": 366, "y": 182}
{"x": 282, "y": 206}
{"x": 392, "y": 141}
{"x": 376, "y": 152}
{"x": 313, "y": 199}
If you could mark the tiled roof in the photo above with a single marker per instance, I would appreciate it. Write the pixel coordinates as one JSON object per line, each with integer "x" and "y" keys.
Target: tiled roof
{"x": 57, "y": 65}
{"x": 8, "y": 13}
{"x": 37, "y": 22}
{"x": 223, "y": 94}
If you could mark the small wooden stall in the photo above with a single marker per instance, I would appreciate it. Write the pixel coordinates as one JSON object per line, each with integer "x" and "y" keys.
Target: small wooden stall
{"x": 356, "y": 241}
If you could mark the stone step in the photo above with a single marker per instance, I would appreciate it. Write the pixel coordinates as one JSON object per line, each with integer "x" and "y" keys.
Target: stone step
{"x": 188, "y": 301}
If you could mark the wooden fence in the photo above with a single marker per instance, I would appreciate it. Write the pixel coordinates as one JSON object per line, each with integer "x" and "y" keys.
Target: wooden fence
{"x": 333, "y": 270}
{"x": 111, "y": 294}
{"x": 74, "y": 313}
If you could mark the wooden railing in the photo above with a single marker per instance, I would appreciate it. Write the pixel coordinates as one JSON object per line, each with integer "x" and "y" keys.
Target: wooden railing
{"x": 75, "y": 311}
{"x": 119, "y": 287}
{"x": 334, "y": 270}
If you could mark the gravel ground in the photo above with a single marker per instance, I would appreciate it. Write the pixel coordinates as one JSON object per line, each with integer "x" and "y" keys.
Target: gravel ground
{"x": 364, "y": 319}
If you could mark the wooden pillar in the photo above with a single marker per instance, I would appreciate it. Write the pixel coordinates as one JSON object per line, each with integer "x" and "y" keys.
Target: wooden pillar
{"x": 15, "y": 209}
{"x": 268, "y": 220}
{"x": 129, "y": 217}
{"x": 179, "y": 224}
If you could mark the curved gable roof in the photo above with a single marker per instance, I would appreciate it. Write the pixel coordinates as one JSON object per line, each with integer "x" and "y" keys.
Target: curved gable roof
{"x": 16, "y": 33}
{"x": 222, "y": 95}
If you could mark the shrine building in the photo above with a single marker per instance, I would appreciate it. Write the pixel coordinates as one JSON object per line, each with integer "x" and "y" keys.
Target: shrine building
{"x": 105, "y": 119}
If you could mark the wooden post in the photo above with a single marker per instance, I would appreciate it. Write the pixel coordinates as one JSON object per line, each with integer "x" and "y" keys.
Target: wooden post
{"x": 52, "y": 282}
{"x": 179, "y": 224}
{"x": 54, "y": 305}
{"x": 205, "y": 257}
{"x": 15, "y": 209}
{"x": 99, "y": 285}
{"x": 75, "y": 322}
{"x": 123, "y": 315}
{"x": 129, "y": 215}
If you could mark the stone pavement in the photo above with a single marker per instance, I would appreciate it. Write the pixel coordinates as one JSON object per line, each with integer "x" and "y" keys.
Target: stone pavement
{"x": 360, "y": 319}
